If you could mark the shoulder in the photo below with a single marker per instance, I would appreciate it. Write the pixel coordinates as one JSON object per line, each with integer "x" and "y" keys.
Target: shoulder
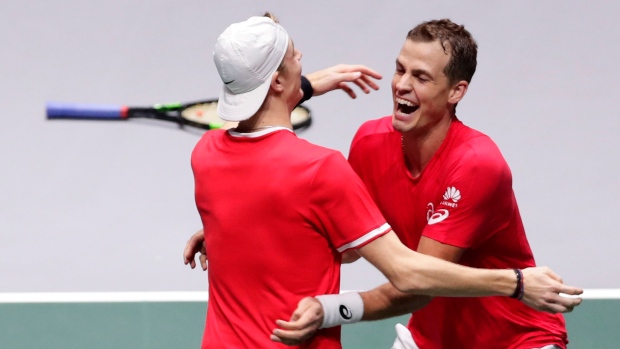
{"x": 314, "y": 152}
{"x": 207, "y": 138}
{"x": 371, "y": 136}
{"x": 475, "y": 152}
{"x": 373, "y": 127}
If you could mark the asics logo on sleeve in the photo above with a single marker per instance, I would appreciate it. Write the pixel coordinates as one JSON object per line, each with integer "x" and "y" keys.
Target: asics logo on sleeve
{"x": 438, "y": 216}
{"x": 435, "y": 217}
{"x": 345, "y": 312}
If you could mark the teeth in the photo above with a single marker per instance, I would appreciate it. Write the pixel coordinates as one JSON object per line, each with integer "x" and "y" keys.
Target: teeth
{"x": 404, "y": 101}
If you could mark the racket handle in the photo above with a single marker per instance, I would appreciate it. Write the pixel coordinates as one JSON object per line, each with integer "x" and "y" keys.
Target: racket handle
{"x": 58, "y": 110}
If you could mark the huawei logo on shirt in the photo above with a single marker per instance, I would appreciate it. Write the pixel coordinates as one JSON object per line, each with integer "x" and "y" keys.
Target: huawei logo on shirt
{"x": 450, "y": 199}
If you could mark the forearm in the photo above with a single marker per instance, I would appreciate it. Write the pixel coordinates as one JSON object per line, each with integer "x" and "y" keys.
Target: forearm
{"x": 386, "y": 301}
{"x": 415, "y": 273}
{"x": 432, "y": 276}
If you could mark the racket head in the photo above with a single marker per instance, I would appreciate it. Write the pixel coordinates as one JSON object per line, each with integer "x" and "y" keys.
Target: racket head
{"x": 203, "y": 114}
{"x": 301, "y": 117}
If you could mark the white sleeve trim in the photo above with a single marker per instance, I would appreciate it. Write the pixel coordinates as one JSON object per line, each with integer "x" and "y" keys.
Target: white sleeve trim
{"x": 369, "y": 236}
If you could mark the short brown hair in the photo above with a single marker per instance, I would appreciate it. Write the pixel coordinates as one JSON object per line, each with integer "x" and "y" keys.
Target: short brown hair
{"x": 456, "y": 41}
{"x": 272, "y": 16}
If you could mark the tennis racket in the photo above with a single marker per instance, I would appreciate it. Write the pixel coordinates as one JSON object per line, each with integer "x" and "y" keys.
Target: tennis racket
{"x": 202, "y": 114}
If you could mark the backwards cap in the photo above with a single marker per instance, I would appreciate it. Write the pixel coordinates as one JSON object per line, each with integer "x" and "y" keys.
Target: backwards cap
{"x": 246, "y": 56}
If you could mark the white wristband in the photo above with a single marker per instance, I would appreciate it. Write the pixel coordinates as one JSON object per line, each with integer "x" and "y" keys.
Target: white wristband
{"x": 340, "y": 309}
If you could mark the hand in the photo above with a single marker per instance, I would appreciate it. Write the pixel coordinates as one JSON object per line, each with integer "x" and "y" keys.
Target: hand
{"x": 195, "y": 245}
{"x": 338, "y": 77}
{"x": 542, "y": 291}
{"x": 306, "y": 319}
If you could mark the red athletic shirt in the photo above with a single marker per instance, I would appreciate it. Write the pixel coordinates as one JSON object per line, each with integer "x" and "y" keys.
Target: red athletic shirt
{"x": 277, "y": 211}
{"x": 463, "y": 198}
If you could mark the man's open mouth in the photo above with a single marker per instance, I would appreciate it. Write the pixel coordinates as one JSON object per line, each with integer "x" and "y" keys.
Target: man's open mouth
{"x": 406, "y": 107}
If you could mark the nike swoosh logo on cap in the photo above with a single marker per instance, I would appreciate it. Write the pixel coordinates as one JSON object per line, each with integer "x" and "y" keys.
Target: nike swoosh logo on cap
{"x": 226, "y": 83}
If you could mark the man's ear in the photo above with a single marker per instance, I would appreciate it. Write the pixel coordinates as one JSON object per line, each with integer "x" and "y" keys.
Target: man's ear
{"x": 457, "y": 92}
{"x": 276, "y": 82}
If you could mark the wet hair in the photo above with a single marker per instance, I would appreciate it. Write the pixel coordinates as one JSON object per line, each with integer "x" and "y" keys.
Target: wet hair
{"x": 456, "y": 41}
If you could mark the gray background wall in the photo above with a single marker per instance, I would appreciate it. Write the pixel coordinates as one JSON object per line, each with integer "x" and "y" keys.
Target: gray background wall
{"x": 106, "y": 206}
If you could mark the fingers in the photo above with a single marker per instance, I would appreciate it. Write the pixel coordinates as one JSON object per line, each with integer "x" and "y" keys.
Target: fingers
{"x": 188, "y": 258}
{"x": 364, "y": 82}
{"x": 203, "y": 261}
{"x": 194, "y": 245}
{"x": 291, "y": 337}
{"x": 561, "y": 304}
{"x": 188, "y": 255}
{"x": 569, "y": 303}
{"x": 359, "y": 68}
{"x": 343, "y": 86}
{"x": 295, "y": 332}
{"x": 570, "y": 290}
{"x": 304, "y": 322}
{"x": 338, "y": 77}
{"x": 544, "y": 290}
{"x": 556, "y": 308}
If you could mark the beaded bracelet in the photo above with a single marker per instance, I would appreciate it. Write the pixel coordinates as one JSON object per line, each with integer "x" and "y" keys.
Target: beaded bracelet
{"x": 520, "y": 289}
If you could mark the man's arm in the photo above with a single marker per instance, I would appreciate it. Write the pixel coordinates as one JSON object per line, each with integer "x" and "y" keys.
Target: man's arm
{"x": 386, "y": 301}
{"x": 339, "y": 77}
{"x": 414, "y": 273}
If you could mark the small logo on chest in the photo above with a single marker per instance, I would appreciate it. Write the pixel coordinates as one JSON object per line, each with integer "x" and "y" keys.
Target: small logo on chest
{"x": 450, "y": 199}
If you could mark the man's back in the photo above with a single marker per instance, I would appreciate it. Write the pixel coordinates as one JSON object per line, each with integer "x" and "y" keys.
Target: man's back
{"x": 276, "y": 211}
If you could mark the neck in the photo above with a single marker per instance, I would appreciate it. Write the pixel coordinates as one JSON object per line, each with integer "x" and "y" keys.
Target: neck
{"x": 420, "y": 146}
{"x": 271, "y": 114}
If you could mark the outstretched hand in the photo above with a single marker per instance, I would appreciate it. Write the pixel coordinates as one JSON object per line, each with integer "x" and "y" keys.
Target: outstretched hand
{"x": 193, "y": 246}
{"x": 340, "y": 77}
{"x": 304, "y": 322}
{"x": 542, "y": 291}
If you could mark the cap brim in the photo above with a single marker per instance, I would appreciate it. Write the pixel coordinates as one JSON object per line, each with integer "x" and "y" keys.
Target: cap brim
{"x": 239, "y": 107}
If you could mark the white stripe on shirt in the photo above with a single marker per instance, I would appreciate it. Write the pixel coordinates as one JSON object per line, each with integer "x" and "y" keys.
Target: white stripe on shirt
{"x": 234, "y": 133}
{"x": 371, "y": 235}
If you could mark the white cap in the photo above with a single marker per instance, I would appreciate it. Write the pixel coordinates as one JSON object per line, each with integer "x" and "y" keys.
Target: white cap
{"x": 246, "y": 56}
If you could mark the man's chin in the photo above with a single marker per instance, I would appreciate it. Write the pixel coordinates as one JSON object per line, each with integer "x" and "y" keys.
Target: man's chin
{"x": 398, "y": 124}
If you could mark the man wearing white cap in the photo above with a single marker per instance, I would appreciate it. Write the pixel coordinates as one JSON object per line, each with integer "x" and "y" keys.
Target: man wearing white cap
{"x": 278, "y": 211}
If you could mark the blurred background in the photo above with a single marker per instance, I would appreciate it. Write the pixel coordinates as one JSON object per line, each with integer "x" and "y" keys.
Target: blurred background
{"x": 108, "y": 206}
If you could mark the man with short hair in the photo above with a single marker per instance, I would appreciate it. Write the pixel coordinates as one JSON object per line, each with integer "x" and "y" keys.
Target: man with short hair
{"x": 446, "y": 191}
{"x": 278, "y": 211}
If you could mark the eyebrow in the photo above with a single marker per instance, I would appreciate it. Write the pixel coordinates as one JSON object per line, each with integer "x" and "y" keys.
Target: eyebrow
{"x": 417, "y": 71}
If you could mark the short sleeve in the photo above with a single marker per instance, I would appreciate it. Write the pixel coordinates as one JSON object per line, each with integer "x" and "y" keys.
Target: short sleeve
{"x": 476, "y": 189}
{"x": 342, "y": 207}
